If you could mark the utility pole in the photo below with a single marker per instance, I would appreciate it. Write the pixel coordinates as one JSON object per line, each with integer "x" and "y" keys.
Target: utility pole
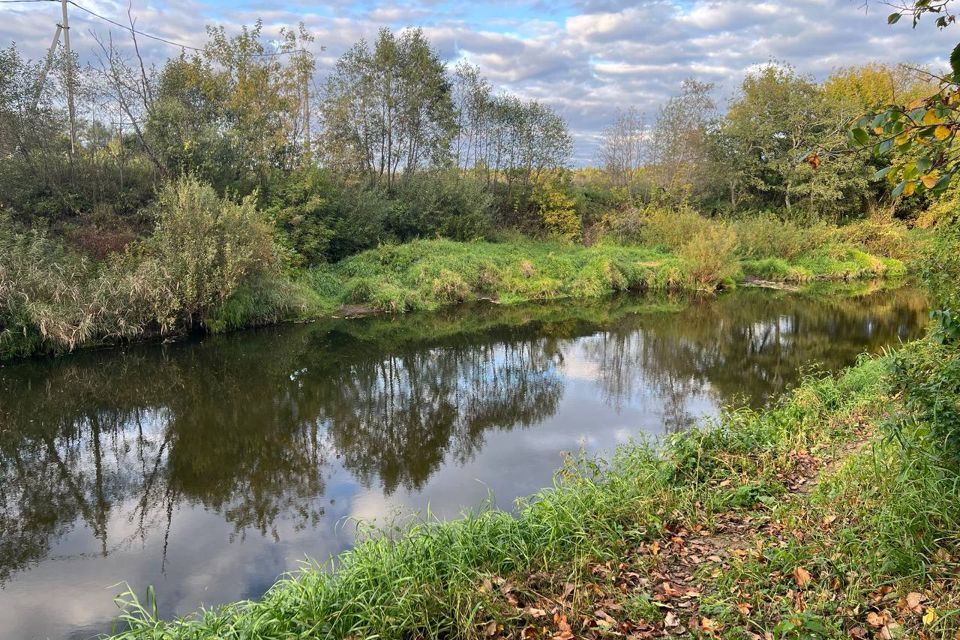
{"x": 68, "y": 68}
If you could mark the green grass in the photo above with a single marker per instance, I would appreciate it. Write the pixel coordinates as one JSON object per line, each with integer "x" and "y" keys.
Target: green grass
{"x": 885, "y": 518}
{"x": 427, "y": 274}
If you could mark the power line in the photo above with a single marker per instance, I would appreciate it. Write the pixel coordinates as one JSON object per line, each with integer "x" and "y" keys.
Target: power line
{"x": 148, "y": 35}
{"x": 165, "y": 40}
{"x": 132, "y": 30}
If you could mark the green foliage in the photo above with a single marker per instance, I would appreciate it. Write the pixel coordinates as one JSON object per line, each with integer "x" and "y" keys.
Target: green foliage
{"x": 779, "y": 116}
{"x": 387, "y": 110}
{"x": 442, "y": 203}
{"x": 927, "y": 373}
{"x": 427, "y": 274}
{"x": 709, "y": 256}
{"x": 231, "y": 114}
{"x": 203, "y": 250}
{"x": 556, "y": 209}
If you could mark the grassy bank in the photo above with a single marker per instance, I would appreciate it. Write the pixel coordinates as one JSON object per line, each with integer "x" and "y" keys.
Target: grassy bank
{"x": 833, "y": 514}
{"x": 428, "y": 274}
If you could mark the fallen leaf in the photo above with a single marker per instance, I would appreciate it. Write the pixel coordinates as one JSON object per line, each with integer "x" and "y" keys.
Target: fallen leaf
{"x": 801, "y": 576}
{"x": 913, "y": 601}
{"x": 565, "y": 632}
{"x": 930, "y": 616}
{"x": 671, "y": 620}
{"x": 491, "y": 629}
{"x": 875, "y": 619}
{"x": 708, "y": 625}
{"x": 744, "y": 609}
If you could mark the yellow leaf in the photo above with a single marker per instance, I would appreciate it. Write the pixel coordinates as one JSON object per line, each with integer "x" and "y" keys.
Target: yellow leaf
{"x": 941, "y": 132}
{"x": 930, "y": 179}
{"x": 916, "y": 104}
{"x": 930, "y": 117}
{"x": 903, "y": 138}
{"x": 909, "y": 188}
{"x": 930, "y": 616}
{"x": 878, "y": 131}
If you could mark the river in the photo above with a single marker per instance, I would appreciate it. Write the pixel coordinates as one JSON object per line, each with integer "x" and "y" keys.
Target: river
{"x": 210, "y": 467}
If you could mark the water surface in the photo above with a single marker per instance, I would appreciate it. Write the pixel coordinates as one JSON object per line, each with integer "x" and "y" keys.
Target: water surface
{"x": 208, "y": 468}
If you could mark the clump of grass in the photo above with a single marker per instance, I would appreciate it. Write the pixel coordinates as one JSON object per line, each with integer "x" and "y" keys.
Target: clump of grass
{"x": 426, "y": 274}
{"x": 765, "y": 235}
{"x": 775, "y": 269}
{"x": 709, "y": 256}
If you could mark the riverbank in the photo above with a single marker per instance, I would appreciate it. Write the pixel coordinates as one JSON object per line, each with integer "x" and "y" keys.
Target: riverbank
{"x": 55, "y": 302}
{"x": 833, "y": 514}
{"x": 429, "y": 274}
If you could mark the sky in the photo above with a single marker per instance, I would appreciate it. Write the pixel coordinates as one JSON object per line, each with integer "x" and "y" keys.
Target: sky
{"x": 585, "y": 58}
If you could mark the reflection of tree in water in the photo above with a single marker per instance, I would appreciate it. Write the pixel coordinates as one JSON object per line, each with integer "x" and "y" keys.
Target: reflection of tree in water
{"x": 746, "y": 347}
{"x": 397, "y": 419}
{"x": 245, "y": 426}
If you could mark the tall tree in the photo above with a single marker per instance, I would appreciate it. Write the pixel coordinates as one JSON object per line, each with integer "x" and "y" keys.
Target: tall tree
{"x": 679, "y": 140}
{"x": 622, "y": 146}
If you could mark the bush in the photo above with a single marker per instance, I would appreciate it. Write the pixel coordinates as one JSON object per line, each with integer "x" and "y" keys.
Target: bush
{"x": 709, "y": 256}
{"x": 927, "y": 373}
{"x": 202, "y": 252}
{"x": 767, "y": 236}
{"x": 53, "y": 300}
{"x": 672, "y": 228}
{"x": 442, "y": 203}
{"x": 556, "y": 210}
{"x": 202, "y": 249}
{"x": 883, "y": 238}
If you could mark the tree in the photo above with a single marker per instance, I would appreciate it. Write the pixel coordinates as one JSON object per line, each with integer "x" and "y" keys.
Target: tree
{"x": 678, "y": 145}
{"x": 388, "y": 110}
{"x": 622, "y": 146}
{"x": 776, "y": 118}
{"x": 233, "y": 113}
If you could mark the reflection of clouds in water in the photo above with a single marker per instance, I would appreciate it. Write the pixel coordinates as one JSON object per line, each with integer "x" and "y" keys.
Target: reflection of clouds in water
{"x": 575, "y": 367}
{"x": 255, "y": 451}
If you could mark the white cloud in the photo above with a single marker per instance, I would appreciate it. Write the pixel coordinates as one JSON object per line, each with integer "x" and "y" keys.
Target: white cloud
{"x": 585, "y": 59}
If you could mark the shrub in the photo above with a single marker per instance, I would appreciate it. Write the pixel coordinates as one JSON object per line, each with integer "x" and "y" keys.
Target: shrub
{"x": 202, "y": 249}
{"x": 51, "y": 299}
{"x": 672, "y": 228}
{"x": 883, "y": 238}
{"x": 299, "y": 210}
{"x": 442, "y": 203}
{"x": 927, "y": 373}
{"x": 709, "y": 256}
{"x": 557, "y": 211}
